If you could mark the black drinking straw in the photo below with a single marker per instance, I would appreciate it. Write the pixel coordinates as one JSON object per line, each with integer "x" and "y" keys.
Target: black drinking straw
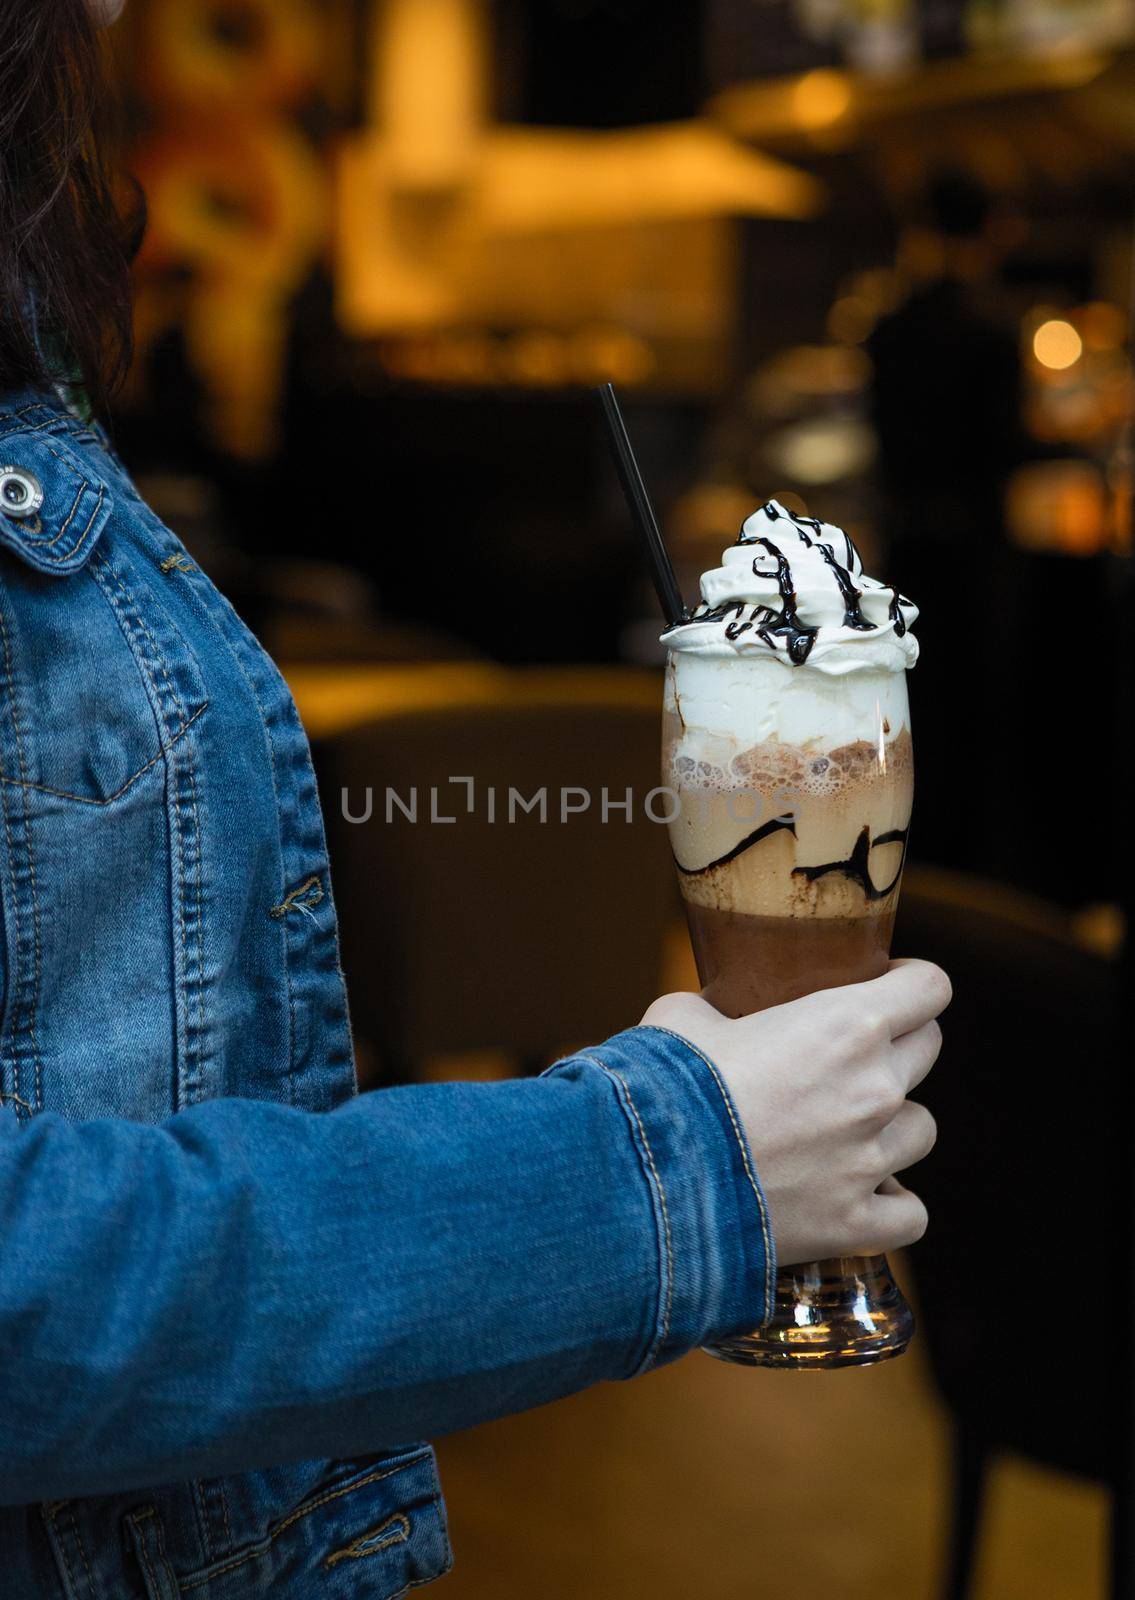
{"x": 658, "y": 560}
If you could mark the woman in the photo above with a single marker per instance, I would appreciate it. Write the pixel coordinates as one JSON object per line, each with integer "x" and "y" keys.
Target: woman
{"x": 221, "y": 1272}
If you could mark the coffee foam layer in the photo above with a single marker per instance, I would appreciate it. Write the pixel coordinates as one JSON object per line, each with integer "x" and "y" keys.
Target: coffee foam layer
{"x": 773, "y": 769}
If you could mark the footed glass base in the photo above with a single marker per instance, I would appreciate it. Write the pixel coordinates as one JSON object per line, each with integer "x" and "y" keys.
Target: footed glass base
{"x": 840, "y": 1313}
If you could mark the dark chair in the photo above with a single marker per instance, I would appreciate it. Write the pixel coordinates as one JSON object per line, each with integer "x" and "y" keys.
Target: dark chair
{"x": 321, "y": 612}
{"x": 525, "y": 936}
{"x": 1020, "y": 1292}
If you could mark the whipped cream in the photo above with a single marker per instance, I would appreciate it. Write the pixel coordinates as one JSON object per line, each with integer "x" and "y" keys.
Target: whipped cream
{"x": 793, "y": 589}
{"x": 728, "y": 704}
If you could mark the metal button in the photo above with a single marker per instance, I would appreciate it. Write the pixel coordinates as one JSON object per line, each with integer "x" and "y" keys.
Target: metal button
{"x": 21, "y": 493}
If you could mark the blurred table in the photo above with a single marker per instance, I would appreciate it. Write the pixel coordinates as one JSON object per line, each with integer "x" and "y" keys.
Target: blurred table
{"x": 334, "y": 698}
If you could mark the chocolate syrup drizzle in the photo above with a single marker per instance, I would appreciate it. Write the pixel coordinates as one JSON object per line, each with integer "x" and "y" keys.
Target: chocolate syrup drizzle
{"x": 857, "y": 867}
{"x": 852, "y": 615}
{"x": 774, "y": 514}
{"x": 798, "y": 636}
{"x": 747, "y": 843}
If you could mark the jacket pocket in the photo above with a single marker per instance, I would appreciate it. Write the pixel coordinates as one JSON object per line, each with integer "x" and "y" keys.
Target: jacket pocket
{"x": 368, "y": 1531}
{"x": 95, "y": 682}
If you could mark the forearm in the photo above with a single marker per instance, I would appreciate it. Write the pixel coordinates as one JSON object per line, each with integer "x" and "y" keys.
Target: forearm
{"x": 247, "y": 1284}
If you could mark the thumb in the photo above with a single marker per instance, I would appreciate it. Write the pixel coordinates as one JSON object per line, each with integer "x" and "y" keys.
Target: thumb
{"x": 682, "y": 1013}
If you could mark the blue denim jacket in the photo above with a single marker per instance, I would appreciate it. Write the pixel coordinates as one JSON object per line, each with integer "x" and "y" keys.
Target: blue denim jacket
{"x": 222, "y": 1316}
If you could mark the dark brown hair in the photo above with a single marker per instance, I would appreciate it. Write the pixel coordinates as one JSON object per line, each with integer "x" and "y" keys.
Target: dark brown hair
{"x": 68, "y": 225}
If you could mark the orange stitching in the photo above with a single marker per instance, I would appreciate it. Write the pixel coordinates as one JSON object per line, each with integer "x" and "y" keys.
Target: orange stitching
{"x": 17, "y": 919}
{"x": 237, "y": 655}
{"x": 37, "y": 948}
{"x": 49, "y": 1517}
{"x": 160, "y": 1539}
{"x": 82, "y": 539}
{"x": 337, "y": 1494}
{"x": 84, "y": 485}
{"x": 30, "y": 524}
{"x": 312, "y": 889}
{"x": 195, "y": 977}
{"x": 86, "y": 799}
{"x": 142, "y": 1548}
{"x": 224, "y": 1499}
{"x": 660, "y": 1340}
{"x": 132, "y": 620}
{"x": 741, "y": 1142}
{"x": 31, "y": 427}
{"x": 355, "y": 1552}
{"x": 82, "y": 1550}
{"x": 134, "y": 625}
{"x": 296, "y": 1516}
{"x": 46, "y": 544}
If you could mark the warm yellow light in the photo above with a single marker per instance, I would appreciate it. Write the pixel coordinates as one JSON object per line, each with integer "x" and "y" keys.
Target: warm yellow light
{"x": 599, "y": 354}
{"x": 429, "y": 89}
{"x": 821, "y": 98}
{"x": 1056, "y": 344}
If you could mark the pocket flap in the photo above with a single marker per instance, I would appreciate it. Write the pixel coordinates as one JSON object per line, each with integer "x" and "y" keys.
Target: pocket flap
{"x": 70, "y": 504}
{"x": 368, "y": 1530}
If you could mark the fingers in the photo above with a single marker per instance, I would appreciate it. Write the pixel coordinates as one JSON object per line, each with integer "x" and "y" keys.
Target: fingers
{"x": 908, "y": 1139}
{"x": 893, "y": 1219}
{"x": 909, "y": 995}
{"x": 915, "y": 1053}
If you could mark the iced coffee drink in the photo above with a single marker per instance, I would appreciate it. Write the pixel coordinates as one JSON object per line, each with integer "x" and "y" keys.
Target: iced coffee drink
{"x": 787, "y": 743}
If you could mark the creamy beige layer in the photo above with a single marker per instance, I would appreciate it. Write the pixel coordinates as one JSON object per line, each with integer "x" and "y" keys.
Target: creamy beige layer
{"x": 829, "y": 795}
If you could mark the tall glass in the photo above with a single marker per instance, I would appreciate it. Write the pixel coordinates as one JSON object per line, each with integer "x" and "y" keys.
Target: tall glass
{"x": 795, "y": 792}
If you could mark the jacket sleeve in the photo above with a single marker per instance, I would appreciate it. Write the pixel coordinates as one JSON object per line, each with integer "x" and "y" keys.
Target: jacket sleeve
{"x": 247, "y": 1284}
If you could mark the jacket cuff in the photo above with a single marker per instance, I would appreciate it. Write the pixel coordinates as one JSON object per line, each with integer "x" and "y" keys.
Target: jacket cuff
{"x": 716, "y": 1258}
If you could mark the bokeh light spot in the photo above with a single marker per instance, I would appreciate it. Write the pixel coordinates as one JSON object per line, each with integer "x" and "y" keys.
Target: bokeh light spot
{"x": 1057, "y": 345}
{"x": 821, "y": 98}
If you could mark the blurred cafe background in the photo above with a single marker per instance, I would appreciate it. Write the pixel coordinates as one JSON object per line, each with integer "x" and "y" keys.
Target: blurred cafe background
{"x": 873, "y": 257}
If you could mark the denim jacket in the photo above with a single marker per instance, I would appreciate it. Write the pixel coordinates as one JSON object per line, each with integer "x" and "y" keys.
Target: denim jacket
{"x": 232, "y": 1292}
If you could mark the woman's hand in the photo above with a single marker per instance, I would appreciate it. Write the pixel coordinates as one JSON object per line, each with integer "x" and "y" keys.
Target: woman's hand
{"x": 821, "y": 1086}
